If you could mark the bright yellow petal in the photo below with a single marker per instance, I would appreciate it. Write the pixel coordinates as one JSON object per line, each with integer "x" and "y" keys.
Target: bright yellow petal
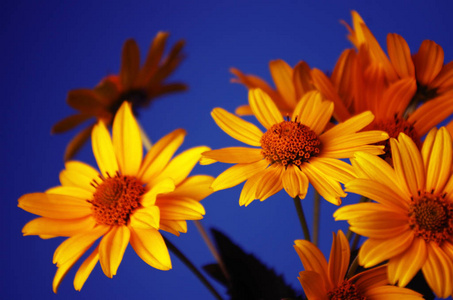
{"x": 58, "y": 227}
{"x": 337, "y": 169}
{"x": 150, "y": 246}
{"x": 76, "y": 244}
{"x": 237, "y": 174}
{"x": 264, "y": 108}
{"x": 173, "y": 226}
{"x": 313, "y": 112}
{"x": 103, "y": 150}
{"x": 111, "y": 249}
{"x": 327, "y": 187}
{"x": 55, "y": 206}
{"x": 351, "y": 125}
{"x": 249, "y": 190}
{"x": 374, "y": 251}
{"x": 270, "y": 183}
{"x": 282, "y": 74}
{"x": 63, "y": 269}
{"x": 403, "y": 267}
{"x": 167, "y": 185}
{"x": 195, "y": 187}
{"x": 344, "y": 146}
{"x": 79, "y": 174}
{"x": 339, "y": 258}
{"x": 400, "y": 55}
{"x": 237, "y": 128}
{"x": 127, "y": 141}
{"x": 439, "y": 169}
{"x": 179, "y": 167}
{"x": 438, "y": 271}
{"x": 160, "y": 154}
{"x": 85, "y": 269}
{"x": 145, "y": 218}
{"x": 295, "y": 182}
{"x": 71, "y": 191}
{"x": 180, "y": 209}
{"x": 313, "y": 285}
{"x": 235, "y": 155}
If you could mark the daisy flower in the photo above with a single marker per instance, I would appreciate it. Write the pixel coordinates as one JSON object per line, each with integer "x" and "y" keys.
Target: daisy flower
{"x": 127, "y": 202}
{"x": 324, "y": 280}
{"x": 292, "y": 152}
{"x": 411, "y": 223}
{"x": 134, "y": 83}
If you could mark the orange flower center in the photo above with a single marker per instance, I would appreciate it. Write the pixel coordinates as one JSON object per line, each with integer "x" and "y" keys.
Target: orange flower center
{"x": 290, "y": 142}
{"x": 431, "y": 217}
{"x": 115, "y": 199}
{"x": 394, "y": 128}
{"x": 346, "y": 291}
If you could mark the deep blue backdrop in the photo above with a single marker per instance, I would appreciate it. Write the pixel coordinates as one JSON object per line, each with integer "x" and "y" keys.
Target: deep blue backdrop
{"x": 51, "y": 47}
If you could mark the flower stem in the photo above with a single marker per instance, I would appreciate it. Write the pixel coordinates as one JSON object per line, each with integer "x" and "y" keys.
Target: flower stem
{"x": 302, "y": 220}
{"x": 192, "y": 267}
{"x": 316, "y": 212}
{"x": 212, "y": 248}
{"x": 353, "y": 267}
{"x": 355, "y": 242}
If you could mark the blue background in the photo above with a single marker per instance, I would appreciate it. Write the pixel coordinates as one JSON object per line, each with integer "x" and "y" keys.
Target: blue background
{"x": 51, "y": 47}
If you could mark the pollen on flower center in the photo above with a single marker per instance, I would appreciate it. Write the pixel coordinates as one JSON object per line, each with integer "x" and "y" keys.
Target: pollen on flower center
{"x": 431, "y": 217}
{"x": 394, "y": 127}
{"x": 115, "y": 199}
{"x": 290, "y": 142}
{"x": 346, "y": 290}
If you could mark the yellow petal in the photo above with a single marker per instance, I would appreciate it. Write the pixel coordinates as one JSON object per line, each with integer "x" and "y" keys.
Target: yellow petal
{"x": 145, "y": 218}
{"x": 127, "y": 141}
{"x": 236, "y": 127}
{"x": 77, "y": 244}
{"x": 85, "y": 269}
{"x": 338, "y": 259}
{"x": 63, "y": 269}
{"x": 295, "y": 182}
{"x": 344, "y": 146}
{"x": 173, "y": 226}
{"x": 439, "y": 169}
{"x": 103, "y": 150}
{"x": 56, "y": 227}
{"x": 270, "y": 182}
{"x": 111, "y": 249}
{"x": 438, "y": 271}
{"x": 337, "y": 169}
{"x": 164, "y": 186}
{"x": 150, "y": 246}
{"x": 400, "y": 55}
{"x": 313, "y": 112}
{"x": 249, "y": 190}
{"x": 180, "y": 166}
{"x": 181, "y": 209}
{"x": 160, "y": 154}
{"x": 235, "y": 155}
{"x": 55, "y": 206}
{"x": 79, "y": 174}
{"x": 282, "y": 74}
{"x": 404, "y": 267}
{"x": 195, "y": 187}
{"x": 351, "y": 125}
{"x": 264, "y": 108}
{"x": 302, "y": 79}
{"x": 71, "y": 191}
{"x": 237, "y": 174}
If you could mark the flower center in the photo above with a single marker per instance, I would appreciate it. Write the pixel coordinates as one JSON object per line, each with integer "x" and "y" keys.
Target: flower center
{"x": 431, "y": 217}
{"x": 346, "y": 291}
{"x": 290, "y": 142}
{"x": 115, "y": 199}
{"x": 394, "y": 128}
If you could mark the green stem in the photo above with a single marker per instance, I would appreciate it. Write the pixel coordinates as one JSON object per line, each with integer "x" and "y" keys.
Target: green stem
{"x": 192, "y": 267}
{"x": 302, "y": 220}
{"x": 316, "y": 213}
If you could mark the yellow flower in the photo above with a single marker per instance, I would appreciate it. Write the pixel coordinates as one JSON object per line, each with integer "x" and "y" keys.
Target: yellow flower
{"x": 138, "y": 85}
{"x": 326, "y": 281}
{"x": 292, "y": 152}
{"x": 411, "y": 225}
{"x": 127, "y": 202}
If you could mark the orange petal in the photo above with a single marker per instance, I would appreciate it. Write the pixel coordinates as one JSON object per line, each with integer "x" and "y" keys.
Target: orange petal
{"x": 235, "y": 155}
{"x": 313, "y": 285}
{"x": 77, "y": 142}
{"x": 130, "y": 63}
{"x": 282, "y": 74}
{"x": 295, "y": 182}
{"x": 338, "y": 259}
{"x": 438, "y": 271}
{"x": 69, "y": 123}
{"x": 400, "y": 55}
{"x": 428, "y": 61}
{"x": 264, "y": 108}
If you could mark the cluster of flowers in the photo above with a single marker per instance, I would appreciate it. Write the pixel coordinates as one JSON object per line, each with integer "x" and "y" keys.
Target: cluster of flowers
{"x": 374, "y": 109}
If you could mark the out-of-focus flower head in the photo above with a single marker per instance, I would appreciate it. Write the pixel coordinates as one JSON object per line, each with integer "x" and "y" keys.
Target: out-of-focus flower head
{"x": 392, "y": 87}
{"x": 292, "y": 152}
{"x": 127, "y": 202}
{"x": 137, "y": 84}
{"x": 411, "y": 225}
{"x": 324, "y": 280}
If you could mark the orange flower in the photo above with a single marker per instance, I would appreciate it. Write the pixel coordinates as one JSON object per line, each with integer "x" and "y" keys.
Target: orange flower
{"x": 292, "y": 152}
{"x": 326, "y": 281}
{"x": 411, "y": 225}
{"x": 127, "y": 202}
{"x": 138, "y": 85}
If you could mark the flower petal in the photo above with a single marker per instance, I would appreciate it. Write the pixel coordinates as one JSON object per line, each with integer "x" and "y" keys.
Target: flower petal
{"x": 111, "y": 249}
{"x": 338, "y": 259}
{"x": 295, "y": 182}
{"x": 351, "y": 125}
{"x": 58, "y": 227}
{"x": 264, "y": 108}
{"x": 400, "y": 55}
{"x": 313, "y": 285}
{"x": 145, "y": 218}
{"x": 270, "y": 183}
{"x": 428, "y": 61}
{"x": 195, "y": 187}
{"x": 438, "y": 271}
{"x": 85, "y": 269}
{"x": 130, "y": 63}
{"x": 77, "y": 142}
{"x": 236, "y": 127}
{"x": 237, "y": 174}
{"x": 164, "y": 186}
{"x": 235, "y": 155}
{"x": 282, "y": 74}
{"x": 439, "y": 169}
{"x": 127, "y": 141}
{"x": 103, "y": 150}
{"x": 150, "y": 246}
{"x": 172, "y": 208}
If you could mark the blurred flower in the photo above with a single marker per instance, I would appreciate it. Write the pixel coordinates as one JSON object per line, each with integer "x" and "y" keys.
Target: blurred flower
{"x": 412, "y": 223}
{"x": 138, "y": 85}
{"x": 127, "y": 202}
{"x": 291, "y": 152}
{"x": 322, "y": 280}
